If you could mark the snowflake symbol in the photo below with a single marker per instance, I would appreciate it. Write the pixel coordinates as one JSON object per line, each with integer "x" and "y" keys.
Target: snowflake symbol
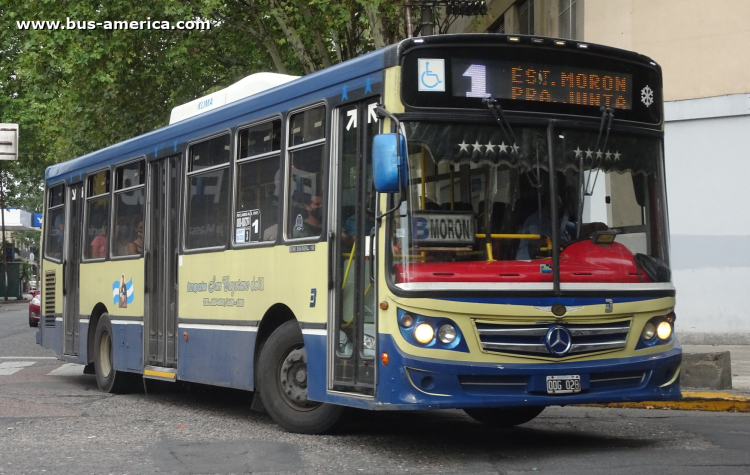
{"x": 647, "y": 96}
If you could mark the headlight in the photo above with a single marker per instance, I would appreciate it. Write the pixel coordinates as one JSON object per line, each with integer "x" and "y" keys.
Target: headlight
{"x": 424, "y": 333}
{"x": 664, "y": 330}
{"x": 649, "y": 330}
{"x": 369, "y": 342}
{"x": 36, "y": 301}
{"x": 447, "y": 333}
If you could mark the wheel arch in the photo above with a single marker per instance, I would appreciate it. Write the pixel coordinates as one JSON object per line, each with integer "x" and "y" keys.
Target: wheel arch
{"x": 99, "y": 310}
{"x": 275, "y": 316}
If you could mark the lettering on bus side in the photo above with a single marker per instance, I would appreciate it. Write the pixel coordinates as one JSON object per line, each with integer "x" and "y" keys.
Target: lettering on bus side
{"x": 226, "y": 284}
{"x": 443, "y": 228}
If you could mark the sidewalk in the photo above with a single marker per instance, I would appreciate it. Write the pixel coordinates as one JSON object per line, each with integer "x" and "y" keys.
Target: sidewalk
{"x": 26, "y": 298}
{"x": 736, "y": 399}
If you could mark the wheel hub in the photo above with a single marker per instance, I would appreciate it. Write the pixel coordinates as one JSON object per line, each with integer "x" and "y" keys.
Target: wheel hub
{"x": 293, "y": 377}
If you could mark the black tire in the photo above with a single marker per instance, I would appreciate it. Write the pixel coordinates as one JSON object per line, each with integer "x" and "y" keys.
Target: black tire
{"x": 286, "y": 399}
{"x": 109, "y": 379}
{"x": 32, "y": 322}
{"x": 504, "y": 416}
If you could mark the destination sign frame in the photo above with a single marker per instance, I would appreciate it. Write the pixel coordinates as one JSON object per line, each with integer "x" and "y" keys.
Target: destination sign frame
{"x": 645, "y": 79}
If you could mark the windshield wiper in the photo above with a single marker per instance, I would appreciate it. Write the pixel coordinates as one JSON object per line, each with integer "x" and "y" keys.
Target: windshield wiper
{"x": 497, "y": 112}
{"x": 608, "y": 114}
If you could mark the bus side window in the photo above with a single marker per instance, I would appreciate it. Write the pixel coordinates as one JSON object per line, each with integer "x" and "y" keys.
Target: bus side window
{"x": 258, "y": 183}
{"x": 208, "y": 196}
{"x": 97, "y": 216}
{"x": 306, "y": 194}
{"x": 54, "y": 232}
{"x": 130, "y": 202}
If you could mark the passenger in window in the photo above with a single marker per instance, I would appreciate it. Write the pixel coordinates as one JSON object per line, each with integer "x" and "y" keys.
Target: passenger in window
{"x": 122, "y": 236}
{"x": 99, "y": 244}
{"x": 312, "y": 225}
{"x": 136, "y": 246}
{"x": 271, "y": 232}
{"x": 59, "y": 233}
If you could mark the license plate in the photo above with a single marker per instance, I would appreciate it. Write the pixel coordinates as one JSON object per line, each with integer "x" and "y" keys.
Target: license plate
{"x": 569, "y": 384}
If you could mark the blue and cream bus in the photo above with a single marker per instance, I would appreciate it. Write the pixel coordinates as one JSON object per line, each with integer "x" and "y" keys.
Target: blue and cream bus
{"x": 469, "y": 221}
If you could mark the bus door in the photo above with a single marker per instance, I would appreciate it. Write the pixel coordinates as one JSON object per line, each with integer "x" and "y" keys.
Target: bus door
{"x": 71, "y": 268}
{"x": 161, "y": 262}
{"x": 352, "y": 234}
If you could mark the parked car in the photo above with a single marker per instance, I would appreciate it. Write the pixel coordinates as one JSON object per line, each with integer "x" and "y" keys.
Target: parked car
{"x": 35, "y": 309}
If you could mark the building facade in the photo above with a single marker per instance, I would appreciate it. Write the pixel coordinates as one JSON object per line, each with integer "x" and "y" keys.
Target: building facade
{"x": 703, "y": 49}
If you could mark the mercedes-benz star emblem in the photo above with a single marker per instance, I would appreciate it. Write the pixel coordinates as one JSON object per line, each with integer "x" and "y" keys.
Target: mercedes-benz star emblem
{"x": 558, "y": 341}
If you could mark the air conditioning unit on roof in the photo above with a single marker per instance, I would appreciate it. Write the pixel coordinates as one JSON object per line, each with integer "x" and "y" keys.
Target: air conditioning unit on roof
{"x": 246, "y": 87}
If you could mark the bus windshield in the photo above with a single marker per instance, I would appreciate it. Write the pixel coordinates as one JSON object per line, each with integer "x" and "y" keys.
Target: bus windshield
{"x": 478, "y": 208}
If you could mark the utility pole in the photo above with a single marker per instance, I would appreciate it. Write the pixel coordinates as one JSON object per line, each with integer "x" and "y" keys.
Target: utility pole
{"x": 428, "y": 20}
{"x": 2, "y": 210}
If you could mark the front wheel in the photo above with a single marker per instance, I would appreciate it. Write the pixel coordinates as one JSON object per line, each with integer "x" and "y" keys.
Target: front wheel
{"x": 283, "y": 384}
{"x": 108, "y": 378}
{"x": 32, "y": 322}
{"x": 504, "y": 416}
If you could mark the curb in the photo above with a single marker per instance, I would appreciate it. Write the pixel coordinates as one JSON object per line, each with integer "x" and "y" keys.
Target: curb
{"x": 692, "y": 401}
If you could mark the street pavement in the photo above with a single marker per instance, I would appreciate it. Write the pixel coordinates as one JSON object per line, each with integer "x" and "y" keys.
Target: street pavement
{"x": 54, "y": 420}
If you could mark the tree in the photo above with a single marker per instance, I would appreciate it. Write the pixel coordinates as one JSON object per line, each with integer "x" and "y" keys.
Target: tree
{"x": 74, "y": 91}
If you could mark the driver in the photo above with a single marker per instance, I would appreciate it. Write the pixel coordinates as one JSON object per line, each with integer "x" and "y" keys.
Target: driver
{"x": 540, "y": 222}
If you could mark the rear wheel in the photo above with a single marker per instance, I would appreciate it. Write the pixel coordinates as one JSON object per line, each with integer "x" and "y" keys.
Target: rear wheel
{"x": 283, "y": 384}
{"x": 505, "y": 416}
{"x": 107, "y": 377}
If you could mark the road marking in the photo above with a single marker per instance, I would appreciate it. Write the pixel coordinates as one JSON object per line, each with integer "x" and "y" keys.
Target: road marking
{"x": 68, "y": 369}
{"x": 28, "y": 357}
{"x": 10, "y": 367}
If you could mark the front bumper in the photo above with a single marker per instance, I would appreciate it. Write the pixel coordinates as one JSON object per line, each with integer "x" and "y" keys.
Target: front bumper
{"x": 410, "y": 382}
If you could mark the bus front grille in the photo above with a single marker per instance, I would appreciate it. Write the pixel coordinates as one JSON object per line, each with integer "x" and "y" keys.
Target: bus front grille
{"x": 531, "y": 339}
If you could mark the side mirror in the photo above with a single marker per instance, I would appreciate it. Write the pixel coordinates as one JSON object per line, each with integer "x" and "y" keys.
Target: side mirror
{"x": 389, "y": 162}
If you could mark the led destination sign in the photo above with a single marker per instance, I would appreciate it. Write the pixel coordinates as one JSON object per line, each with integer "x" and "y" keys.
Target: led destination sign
{"x": 542, "y": 83}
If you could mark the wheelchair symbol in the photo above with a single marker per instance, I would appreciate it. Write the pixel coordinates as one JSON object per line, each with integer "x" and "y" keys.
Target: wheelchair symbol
{"x": 429, "y": 76}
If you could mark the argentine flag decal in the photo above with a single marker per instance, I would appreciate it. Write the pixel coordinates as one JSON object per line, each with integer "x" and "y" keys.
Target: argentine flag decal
{"x": 116, "y": 291}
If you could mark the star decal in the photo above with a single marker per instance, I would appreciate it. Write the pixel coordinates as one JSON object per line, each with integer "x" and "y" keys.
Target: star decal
{"x": 617, "y": 156}
{"x": 515, "y": 148}
{"x": 599, "y": 154}
{"x": 476, "y": 146}
{"x": 578, "y": 152}
{"x": 608, "y": 156}
{"x": 489, "y": 148}
{"x": 464, "y": 147}
{"x": 503, "y": 147}
{"x": 589, "y": 153}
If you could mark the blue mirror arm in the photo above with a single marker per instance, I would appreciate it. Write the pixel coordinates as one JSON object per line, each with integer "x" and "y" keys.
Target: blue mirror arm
{"x": 400, "y": 195}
